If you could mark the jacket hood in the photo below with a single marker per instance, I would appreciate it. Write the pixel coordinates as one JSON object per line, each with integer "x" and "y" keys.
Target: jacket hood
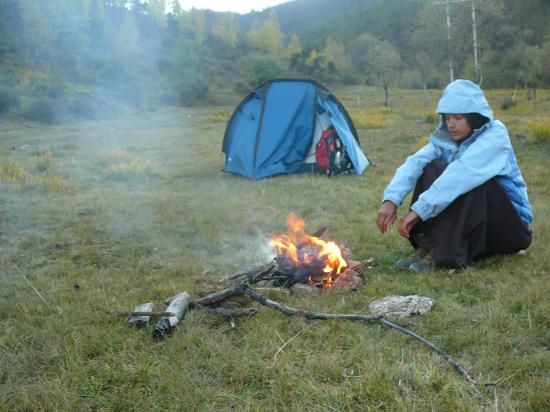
{"x": 464, "y": 96}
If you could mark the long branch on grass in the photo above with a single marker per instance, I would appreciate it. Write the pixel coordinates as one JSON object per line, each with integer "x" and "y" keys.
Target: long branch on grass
{"x": 290, "y": 311}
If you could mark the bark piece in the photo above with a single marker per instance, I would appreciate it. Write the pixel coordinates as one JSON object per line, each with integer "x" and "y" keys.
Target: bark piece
{"x": 401, "y": 306}
{"x": 141, "y": 321}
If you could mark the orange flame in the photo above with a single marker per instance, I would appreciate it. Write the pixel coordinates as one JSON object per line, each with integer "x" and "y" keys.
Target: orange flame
{"x": 289, "y": 244}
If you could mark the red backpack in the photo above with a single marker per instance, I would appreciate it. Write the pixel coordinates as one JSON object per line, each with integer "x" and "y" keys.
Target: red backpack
{"x": 330, "y": 155}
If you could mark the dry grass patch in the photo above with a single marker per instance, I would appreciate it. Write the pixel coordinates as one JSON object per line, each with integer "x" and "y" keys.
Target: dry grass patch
{"x": 219, "y": 116}
{"x": 42, "y": 160}
{"x": 121, "y": 164}
{"x": 51, "y": 183}
{"x": 370, "y": 118}
{"x": 12, "y": 171}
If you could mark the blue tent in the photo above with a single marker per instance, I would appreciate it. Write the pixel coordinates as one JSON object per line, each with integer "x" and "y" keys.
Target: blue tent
{"x": 274, "y": 130}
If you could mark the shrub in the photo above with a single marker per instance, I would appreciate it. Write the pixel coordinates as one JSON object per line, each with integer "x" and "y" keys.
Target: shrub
{"x": 82, "y": 107}
{"x": 8, "y": 101}
{"x": 506, "y": 104}
{"x": 183, "y": 90}
{"x": 241, "y": 88}
{"x": 539, "y": 131}
{"x": 432, "y": 118}
{"x": 41, "y": 110}
{"x": 192, "y": 90}
{"x": 258, "y": 68}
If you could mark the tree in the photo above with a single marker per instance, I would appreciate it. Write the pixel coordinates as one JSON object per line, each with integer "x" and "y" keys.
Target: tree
{"x": 227, "y": 30}
{"x": 335, "y": 55}
{"x": 378, "y": 60}
{"x": 294, "y": 48}
{"x": 267, "y": 37}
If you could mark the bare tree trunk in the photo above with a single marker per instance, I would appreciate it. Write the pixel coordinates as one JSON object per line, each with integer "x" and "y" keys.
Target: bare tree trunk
{"x": 385, "y": 94}
{"x": 425, "y": 93}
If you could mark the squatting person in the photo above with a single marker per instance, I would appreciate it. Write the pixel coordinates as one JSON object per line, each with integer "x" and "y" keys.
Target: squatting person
{"x": 469, "y": 199}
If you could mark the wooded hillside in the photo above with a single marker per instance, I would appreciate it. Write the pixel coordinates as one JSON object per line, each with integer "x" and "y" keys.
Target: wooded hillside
{"x": 64, "y": 59}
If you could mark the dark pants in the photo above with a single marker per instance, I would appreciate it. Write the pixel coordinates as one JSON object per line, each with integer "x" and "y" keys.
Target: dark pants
{"x": 482, "y": 222}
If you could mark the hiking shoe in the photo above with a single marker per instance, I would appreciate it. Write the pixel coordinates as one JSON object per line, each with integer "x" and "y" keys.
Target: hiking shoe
{"x": 416, "y": 256}
{"x": 425, "y": 264}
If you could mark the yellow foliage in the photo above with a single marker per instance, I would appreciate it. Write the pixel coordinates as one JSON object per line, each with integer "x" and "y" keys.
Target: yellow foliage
{"x": 369, "y": 119}
{"x": 539, "y": 130}
{"x": 12, "y": 171}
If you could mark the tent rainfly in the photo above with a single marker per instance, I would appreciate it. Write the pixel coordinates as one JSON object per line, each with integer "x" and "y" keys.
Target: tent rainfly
{"x": 275, "y": 129}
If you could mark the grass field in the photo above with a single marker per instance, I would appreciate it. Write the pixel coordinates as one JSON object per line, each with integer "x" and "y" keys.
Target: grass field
{"x": 103, "y": 215}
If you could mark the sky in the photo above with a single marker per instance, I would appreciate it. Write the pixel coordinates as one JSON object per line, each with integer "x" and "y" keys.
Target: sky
{"x": 236, "y": 6}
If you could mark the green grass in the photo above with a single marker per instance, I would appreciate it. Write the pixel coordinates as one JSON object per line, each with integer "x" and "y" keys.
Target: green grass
{"x": 145, "y": 208}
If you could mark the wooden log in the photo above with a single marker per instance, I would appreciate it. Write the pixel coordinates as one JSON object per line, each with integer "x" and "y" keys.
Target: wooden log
{"x": 141, "y": 321}
{"x": 165, "y": 325}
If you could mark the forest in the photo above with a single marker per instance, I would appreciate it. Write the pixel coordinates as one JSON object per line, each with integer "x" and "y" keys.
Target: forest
{"x": 68, "y": 59}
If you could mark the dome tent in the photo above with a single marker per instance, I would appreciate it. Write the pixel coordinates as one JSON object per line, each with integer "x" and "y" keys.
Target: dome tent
{"x": 274, "y": 129}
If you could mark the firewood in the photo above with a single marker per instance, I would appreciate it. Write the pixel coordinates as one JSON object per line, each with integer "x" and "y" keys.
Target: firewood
{"x": 317, "y": 234}
{"x": 220, "y": 295}
{"x": 251, "y": 274}
{"x": 205, "y": 286}
{"x": 165, "y": 325}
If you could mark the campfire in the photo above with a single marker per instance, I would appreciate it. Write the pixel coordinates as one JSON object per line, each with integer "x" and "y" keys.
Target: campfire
{"x": 303, "y": 262}
{"x": 307, "y": 259}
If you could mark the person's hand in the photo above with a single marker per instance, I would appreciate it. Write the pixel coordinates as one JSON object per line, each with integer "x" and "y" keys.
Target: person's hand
{"x": 407, "y": 222}
{"x": 386, "y": 216}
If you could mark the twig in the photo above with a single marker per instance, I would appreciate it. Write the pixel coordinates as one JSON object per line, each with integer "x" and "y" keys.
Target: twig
{"x": 36, "y": 290}
{"x": 360, "y": 264}
{"x": 286, "y": 343}
{"x": 289, "y": 311}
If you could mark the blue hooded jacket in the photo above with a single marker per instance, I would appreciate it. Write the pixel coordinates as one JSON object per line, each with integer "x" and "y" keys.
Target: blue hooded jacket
{"x": 486, "y": 154}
